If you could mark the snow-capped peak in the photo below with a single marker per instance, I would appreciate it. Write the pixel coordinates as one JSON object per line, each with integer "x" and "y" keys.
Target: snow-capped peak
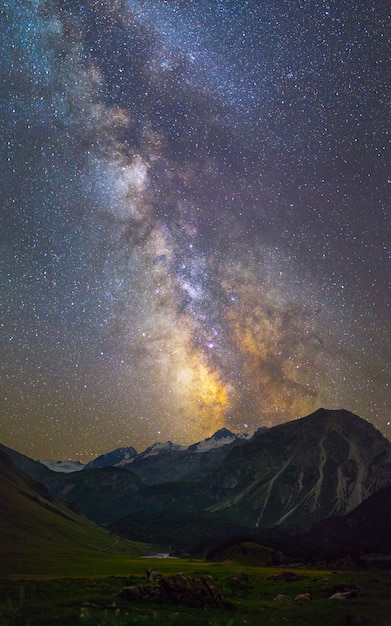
{"x": 162, "y": 448}
{"x": 113, "y": 458}
{"x": 124, "y": 457}
{"x": 221, "y": 438}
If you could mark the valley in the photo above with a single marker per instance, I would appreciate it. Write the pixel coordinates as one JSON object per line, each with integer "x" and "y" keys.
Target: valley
{"x": 300, "y": 509}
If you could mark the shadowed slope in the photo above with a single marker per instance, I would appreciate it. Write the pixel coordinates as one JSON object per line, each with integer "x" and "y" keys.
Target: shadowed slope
{"x": 38, "y": 531}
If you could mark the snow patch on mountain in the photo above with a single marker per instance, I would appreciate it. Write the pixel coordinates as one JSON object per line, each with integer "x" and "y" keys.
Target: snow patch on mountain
{"x": 124, "y": 457}
{"x": 162, "y": 448}
{"x": 113, "y": 458}
{"x": 222, "y": 437}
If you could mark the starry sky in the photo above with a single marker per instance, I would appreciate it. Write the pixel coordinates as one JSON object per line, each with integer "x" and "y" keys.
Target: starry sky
{"x": 195, "y": 218}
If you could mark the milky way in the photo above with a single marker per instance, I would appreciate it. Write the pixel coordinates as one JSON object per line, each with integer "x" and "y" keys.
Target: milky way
{"x": 195, "y": 219}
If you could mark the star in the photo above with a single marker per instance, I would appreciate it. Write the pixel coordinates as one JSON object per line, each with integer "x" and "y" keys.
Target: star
{"x": 194, "y": 220}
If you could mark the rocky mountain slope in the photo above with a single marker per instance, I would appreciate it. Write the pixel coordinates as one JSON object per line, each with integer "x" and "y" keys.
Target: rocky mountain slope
{"x": 297, "y": 473}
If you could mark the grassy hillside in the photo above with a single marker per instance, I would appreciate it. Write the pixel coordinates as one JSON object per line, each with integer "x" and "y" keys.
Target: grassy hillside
{"x": 39, "y": 534}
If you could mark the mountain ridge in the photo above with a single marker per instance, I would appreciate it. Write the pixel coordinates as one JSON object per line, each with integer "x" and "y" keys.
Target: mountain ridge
{"x": 290, "y": 476}
{"x": 124, "y": 456}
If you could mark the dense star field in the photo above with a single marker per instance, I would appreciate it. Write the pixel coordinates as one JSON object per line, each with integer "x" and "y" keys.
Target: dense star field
{"x": 195, "y": 218}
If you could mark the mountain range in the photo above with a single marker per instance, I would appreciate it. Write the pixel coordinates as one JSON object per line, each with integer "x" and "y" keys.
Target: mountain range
{"x": 129, "y": 458}
{"x": 277, "y": 483}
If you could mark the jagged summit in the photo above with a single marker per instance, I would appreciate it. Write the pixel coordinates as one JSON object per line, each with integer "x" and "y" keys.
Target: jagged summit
{"x": 221, "y": 434}
{"x": 112, "y": 458}
{"x": 161, "y": 448}
{"x": 125, "y": 457}
{"x": 221, "y": 437}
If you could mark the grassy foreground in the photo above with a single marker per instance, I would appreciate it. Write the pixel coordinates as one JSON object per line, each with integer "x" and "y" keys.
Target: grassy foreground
{"x": 86, "y": 596}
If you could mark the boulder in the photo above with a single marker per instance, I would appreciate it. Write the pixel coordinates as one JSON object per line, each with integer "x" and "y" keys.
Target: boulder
{"x": 281, "y": 597}
{"x": 343, "y": 592}
{"x": 303, "y": 597}
{"x": 178, "y": 589}
{"x": 344, "y": 595}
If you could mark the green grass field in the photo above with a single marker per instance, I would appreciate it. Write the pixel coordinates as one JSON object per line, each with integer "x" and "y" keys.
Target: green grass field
{"x": 70, "y": 592}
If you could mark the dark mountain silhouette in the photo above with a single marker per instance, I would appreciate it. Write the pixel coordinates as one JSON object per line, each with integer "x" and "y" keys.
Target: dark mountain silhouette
{"x": 35, "y": 469}
{"x": 364, "y": 530}
{"x": 102, "y": 494}
{"x": 38, "y": 527}
{"x": 358, "y": 535}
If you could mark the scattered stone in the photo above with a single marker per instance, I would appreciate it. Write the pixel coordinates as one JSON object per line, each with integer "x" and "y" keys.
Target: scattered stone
{"x": 150, "y": 593}
{"x": 342, "y": 592}
{"x": 282, "y": 598}
{"x": 344, "y": 595}
{"x": 303, "y": 597}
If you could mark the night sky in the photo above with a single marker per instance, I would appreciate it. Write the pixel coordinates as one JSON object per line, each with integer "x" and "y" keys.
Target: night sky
{"x": 195, "y": 219}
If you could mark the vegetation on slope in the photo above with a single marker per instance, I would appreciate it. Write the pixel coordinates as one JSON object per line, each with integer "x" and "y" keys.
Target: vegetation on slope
{"x": 37, "y": 530}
